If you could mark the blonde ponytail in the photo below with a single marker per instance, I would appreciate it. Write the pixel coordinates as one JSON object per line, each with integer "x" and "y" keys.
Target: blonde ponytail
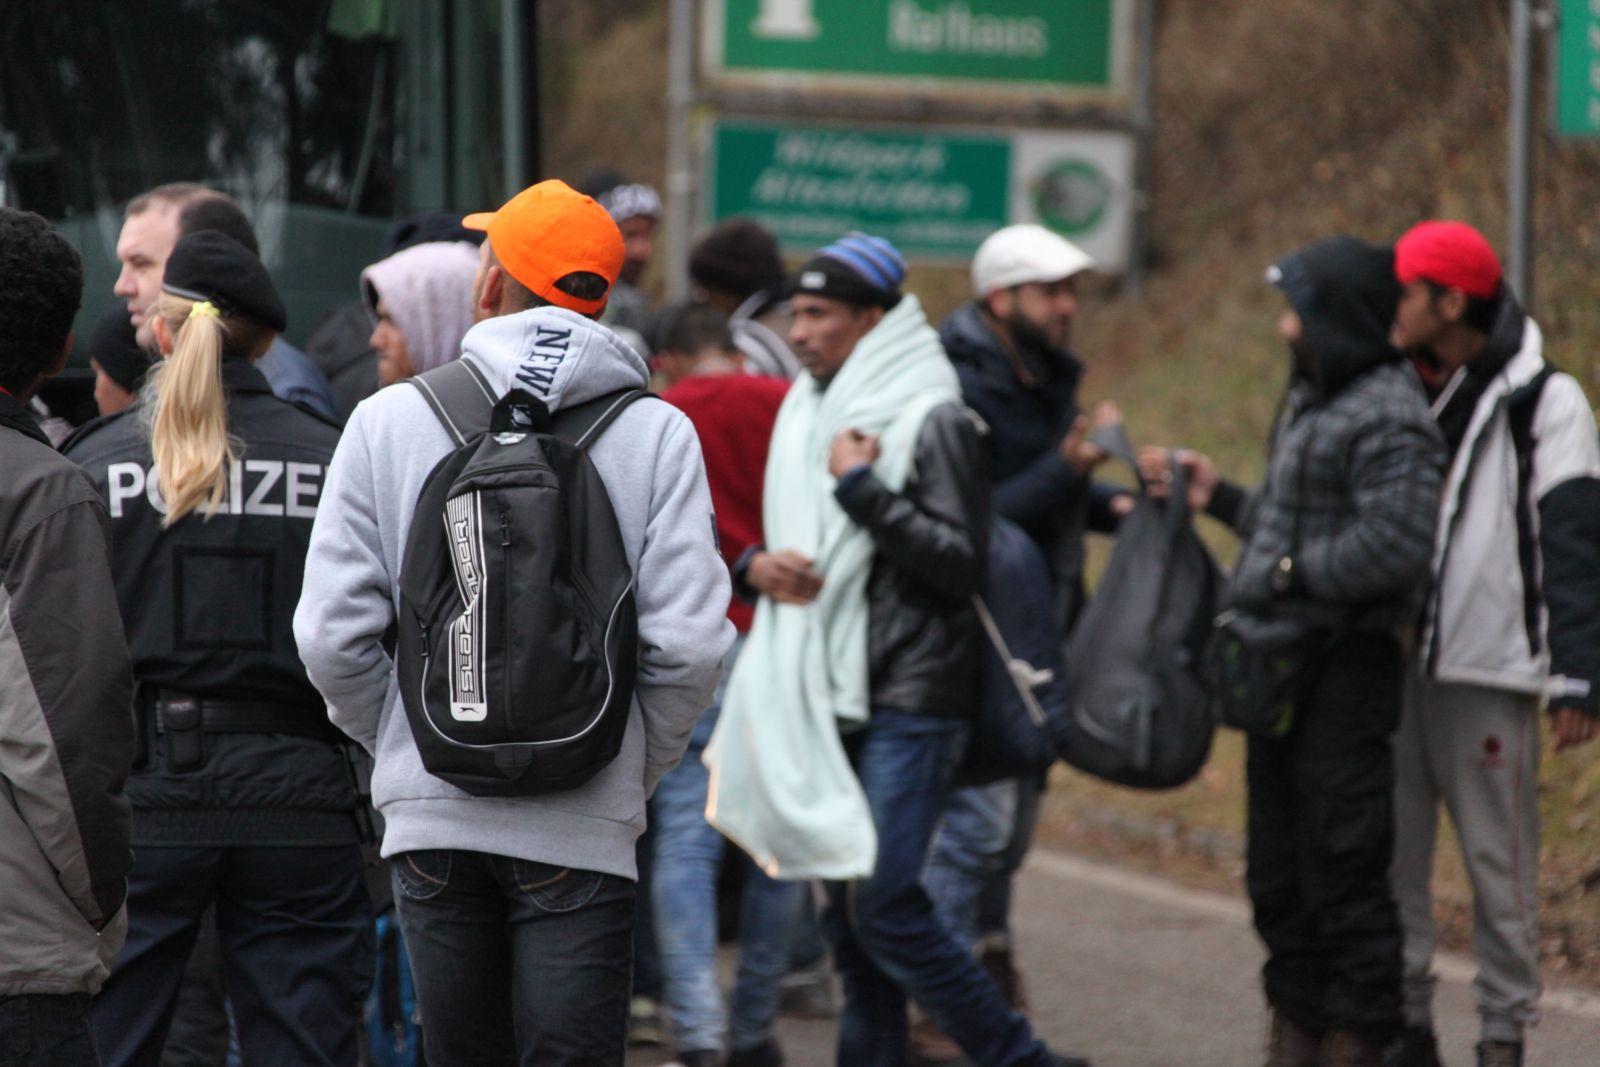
{"x": 187, "y": 412}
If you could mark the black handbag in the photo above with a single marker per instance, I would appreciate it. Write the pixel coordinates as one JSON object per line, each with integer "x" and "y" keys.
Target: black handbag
{"x": 1255, "y": 669}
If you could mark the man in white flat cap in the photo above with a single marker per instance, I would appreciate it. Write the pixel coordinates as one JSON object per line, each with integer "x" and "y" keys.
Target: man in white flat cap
{"x": 1011, "y": 346}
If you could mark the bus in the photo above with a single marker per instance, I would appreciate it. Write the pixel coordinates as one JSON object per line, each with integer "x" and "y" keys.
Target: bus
{"x": 325, "y": 119}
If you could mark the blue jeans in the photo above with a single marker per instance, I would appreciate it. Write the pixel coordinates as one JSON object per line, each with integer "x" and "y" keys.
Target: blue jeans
{"x": 515, "y": 962}
{"x": 688, "y": 854}
{"x": 981, "y": 843}
{"x": 295, "y": 929}
{"x": 888, "y": 942}
{"x": 46, "y": 1030}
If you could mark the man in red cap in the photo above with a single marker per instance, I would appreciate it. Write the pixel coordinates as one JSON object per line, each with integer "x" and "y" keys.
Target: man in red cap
{"x": 518, "y": 911}
{"x": 1511, "y": 622}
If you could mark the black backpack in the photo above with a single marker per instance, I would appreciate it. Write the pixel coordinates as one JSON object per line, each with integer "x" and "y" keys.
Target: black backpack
{"x": 1022, "y": 695}
{"x": 1141, "y": 712}
{"x": 518, "y": 637}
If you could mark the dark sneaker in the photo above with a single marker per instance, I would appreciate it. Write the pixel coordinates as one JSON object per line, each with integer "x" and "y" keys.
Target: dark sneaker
{"x": 1418, "y": 1047}
{"x": 766, "y": 1054}
{"x": 1500, "y": 1054}
{"x": 1002, "y": 967}
{"x": 1291, "y": 1045}
{"x": 646, "y": 1028}
{"x": 705, "y": 1057}
{"x": 808, "y": 993}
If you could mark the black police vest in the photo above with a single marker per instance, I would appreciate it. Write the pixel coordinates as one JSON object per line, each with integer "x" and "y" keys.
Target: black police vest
{"x": 208, "y": 604}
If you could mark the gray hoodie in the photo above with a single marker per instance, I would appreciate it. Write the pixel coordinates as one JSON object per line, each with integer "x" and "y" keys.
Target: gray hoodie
{"x": 650, "y": 462}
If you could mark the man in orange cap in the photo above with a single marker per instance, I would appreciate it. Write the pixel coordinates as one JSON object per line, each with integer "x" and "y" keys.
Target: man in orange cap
{"x": 521, "y": 908}
{"x": 1510, "y": 623}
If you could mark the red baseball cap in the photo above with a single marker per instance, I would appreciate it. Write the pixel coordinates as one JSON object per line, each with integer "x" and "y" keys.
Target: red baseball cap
{"x": 1451, "y": 254}
{"x": 549, "y": 231}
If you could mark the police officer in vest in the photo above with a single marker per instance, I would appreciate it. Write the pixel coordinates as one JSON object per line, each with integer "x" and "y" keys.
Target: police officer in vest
{"x": 243, "y": 796}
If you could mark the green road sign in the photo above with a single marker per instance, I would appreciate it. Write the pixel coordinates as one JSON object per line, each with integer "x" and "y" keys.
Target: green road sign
{"x": 1056, "y": 46}
{"x": 1578, "y": 69}
{"x": 935, "y": 193}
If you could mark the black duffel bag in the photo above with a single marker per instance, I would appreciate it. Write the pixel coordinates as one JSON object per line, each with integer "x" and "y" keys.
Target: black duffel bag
{"x": 1140, "y": 711}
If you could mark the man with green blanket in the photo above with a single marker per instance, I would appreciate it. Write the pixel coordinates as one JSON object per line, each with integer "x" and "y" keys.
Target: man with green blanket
{"x": 845, "y": 717}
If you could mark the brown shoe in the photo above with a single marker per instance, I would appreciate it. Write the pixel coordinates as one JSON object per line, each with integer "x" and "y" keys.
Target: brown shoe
{"x": 1291, "y": 1045}
{"x": 1002, "y": 969}
{"x": 1346, "y": 1048}
{"x": 929, "y": 1045}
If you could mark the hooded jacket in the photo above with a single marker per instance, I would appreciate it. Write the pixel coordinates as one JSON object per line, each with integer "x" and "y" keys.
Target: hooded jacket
{"x": 427, "y": 290}
{"x": 650, "y": 462}
{"x": 1356, "y": 462}
{"x": 1028, "y": 397}
{"x": 66, "y": 724}
{"x": 1516, "y": 562}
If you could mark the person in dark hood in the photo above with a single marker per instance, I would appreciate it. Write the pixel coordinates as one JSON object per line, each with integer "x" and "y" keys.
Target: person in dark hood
{"x": 1336, "y": 548}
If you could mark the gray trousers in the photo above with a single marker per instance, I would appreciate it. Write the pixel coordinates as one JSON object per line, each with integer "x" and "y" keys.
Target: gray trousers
{"x": 1476, "y": 750}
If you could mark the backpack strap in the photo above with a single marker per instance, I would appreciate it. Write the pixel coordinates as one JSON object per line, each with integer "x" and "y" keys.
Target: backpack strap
{"x": 583, "y": 424}
{"x": 1521, "y": 408}
{"x": 460, "y": 396}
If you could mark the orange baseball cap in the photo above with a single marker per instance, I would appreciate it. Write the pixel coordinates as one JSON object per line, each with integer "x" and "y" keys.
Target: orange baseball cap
{"x": 549, "y": 231}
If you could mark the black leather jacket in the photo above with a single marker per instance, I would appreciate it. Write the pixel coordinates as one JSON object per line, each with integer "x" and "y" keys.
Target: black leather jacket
{"x": 932, "y": 539}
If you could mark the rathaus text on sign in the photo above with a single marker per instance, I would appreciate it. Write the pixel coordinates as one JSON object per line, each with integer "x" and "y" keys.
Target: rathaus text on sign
{"x": 1038, "y": 47}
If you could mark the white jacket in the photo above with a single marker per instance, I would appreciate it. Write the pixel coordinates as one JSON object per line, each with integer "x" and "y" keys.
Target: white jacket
{"x": 1488, "y": 618}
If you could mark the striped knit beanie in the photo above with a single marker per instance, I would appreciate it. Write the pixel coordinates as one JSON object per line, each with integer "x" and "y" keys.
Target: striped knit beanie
{"x": 857, "y": 268}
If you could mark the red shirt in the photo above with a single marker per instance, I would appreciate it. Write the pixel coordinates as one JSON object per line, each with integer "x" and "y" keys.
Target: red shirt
{"x": 734, "y": 415}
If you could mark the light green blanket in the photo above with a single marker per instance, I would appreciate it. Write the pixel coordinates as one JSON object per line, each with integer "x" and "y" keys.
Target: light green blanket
{"x": 781, "y": 785}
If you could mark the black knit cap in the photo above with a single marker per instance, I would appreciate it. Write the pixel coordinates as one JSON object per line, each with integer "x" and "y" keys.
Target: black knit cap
{"x": 113, "y": 348}
{"x": 213, "y": 266}
{"x": 857, "y": 268}
{"x": 740, "y": 256}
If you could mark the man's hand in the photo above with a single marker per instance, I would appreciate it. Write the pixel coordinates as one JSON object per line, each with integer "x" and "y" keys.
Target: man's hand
{"x": 1155, "y": 464}
{"x": 851, "y": 449}
{"x": 1572, "y": 727}
{"x": 1082, "y": 454}
{"x": 785, "y": 576}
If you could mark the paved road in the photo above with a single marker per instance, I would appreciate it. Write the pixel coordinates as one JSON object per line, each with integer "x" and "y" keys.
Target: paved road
{"x": 1135, "y": 972}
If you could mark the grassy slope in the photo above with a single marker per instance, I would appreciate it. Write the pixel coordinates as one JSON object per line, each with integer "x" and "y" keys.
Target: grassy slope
{"x": 1278, "y": 123}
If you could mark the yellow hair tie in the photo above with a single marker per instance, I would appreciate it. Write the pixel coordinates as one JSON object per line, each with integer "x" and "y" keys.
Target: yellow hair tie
{"x": 206, "y": 309}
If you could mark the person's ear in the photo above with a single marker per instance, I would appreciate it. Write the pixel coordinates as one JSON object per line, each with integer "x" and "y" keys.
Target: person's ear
{"x": 494, "y": 287}
{"x": 163, "y": 335}
{"x": 1453, "y": 305}
{"x": 59, "y": 364}
{"x": 1001, "y": 303}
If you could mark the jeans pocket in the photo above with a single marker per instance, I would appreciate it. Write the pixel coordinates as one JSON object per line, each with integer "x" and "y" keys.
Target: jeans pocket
{"x": 16, "y": 1031}
{"x": 556, "y": 889}
{"x": 423, "y": 874}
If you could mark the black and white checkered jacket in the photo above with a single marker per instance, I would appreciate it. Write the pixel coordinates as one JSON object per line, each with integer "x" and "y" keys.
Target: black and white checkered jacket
{"x": 1357, "y": 477}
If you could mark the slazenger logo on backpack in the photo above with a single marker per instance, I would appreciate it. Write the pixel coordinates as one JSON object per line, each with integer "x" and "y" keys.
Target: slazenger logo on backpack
{"x": 464, "y": 522}
{"x": 518, "y": 634}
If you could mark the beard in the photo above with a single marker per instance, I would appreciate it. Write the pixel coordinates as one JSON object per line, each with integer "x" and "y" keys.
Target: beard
{"x": 1030, "y": 335}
